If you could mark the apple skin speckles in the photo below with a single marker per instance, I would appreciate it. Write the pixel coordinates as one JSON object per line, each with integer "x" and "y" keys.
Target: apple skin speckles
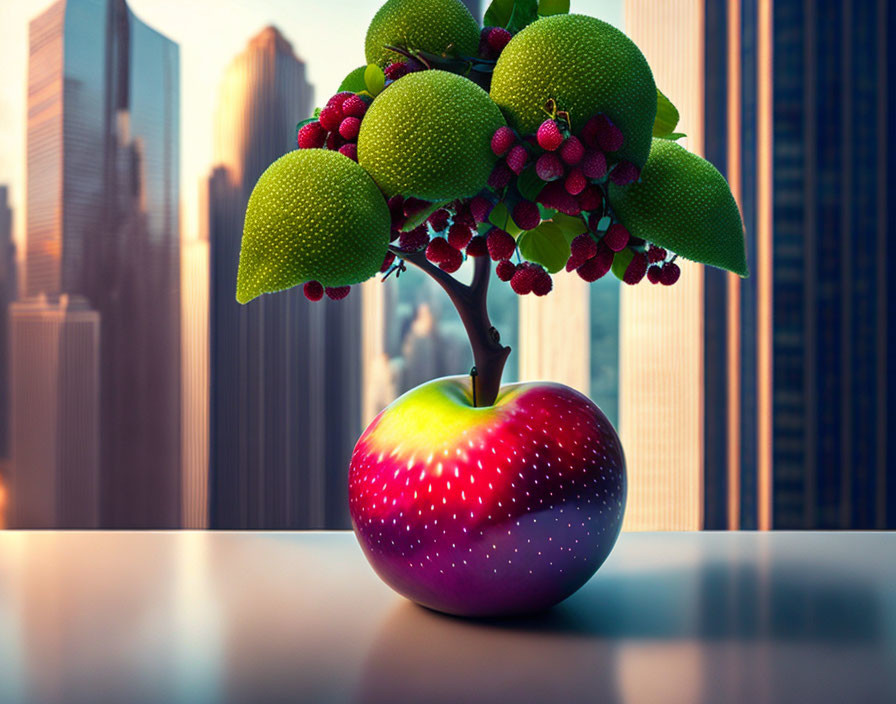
{"x": 510, "y": 512}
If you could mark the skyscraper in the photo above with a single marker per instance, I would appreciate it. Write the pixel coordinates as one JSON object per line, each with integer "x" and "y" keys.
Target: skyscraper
{"x": 559, "y": 321}
{"x": 55, "y": 477}
{"x": 801, "y": 99}
{"x": 661, "y": 329}
{"x": 8, "y": 287}
{"x": 195, "y": 407}
{"x": 102, "y": 223}
{"x": 285, "y": 373}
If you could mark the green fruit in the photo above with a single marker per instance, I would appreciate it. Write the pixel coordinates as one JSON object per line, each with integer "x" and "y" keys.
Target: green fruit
{"x": 587, "y": 67}
{"x": 436, "y": 26}
{"x": 313, "y": 215}
{"x": 428, "y": 135}
{"x": 684, "y": 204}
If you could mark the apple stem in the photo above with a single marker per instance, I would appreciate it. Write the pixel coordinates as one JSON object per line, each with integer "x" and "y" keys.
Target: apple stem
{"x": 489, "y": 355}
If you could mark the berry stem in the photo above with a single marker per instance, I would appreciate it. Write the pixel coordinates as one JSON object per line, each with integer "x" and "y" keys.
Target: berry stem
{"x": 489, "y": 355}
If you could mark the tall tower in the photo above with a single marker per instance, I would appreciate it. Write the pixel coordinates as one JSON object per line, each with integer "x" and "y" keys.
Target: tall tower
{"x": 661, "y": 329}
{"x": 802, "y": 100}
{"x": 102, "y": 223}
{"x": 8, "y": 288}
{"x": 285, "y": 374}
{"x": 55, "y": 477}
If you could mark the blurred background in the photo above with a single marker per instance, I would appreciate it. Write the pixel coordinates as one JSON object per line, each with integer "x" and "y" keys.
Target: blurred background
{"x": 136, "y": 393}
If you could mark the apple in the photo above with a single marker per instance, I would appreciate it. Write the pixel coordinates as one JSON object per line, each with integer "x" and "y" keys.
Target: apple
{"x": 487, "y": 511}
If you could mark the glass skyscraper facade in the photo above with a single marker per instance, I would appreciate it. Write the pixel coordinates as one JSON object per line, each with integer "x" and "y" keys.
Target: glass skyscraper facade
{"x": 829, "y": 329}
{"x": 103, "y": 223}
{"x": 285, "y": 374}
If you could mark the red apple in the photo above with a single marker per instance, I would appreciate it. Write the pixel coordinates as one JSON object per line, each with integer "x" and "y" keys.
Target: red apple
{"x": 487, "y": 511}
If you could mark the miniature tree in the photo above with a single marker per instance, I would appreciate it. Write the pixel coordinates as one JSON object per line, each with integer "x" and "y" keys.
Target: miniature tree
{"x": 540, "y": 143}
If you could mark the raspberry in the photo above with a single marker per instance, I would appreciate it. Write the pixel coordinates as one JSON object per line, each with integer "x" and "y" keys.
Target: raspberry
{"x": 655, "y": 254}
{"x": 497, "y": 38}
{"x": 349, "y": 150}
{"x": 524, "y": 278}
{"x": 313, "y": 290}
{"x": 625, "y": 173}
{"x": 350, "y": 127}
{"x": 554, "y": 196}
{"x": 459, "y": 235}
{"x": 589, "y": 132}
{"x": 387, "y": 262}
{"x": 517, "y": 158}
{"x": 500, "y": 176}
{"x": 480, "y": 208}
{"x": 594, "y": 164}
{"x": 607, "y": 135}
{"x": 337, "y": 293}
{"x": 572, "y": 151}
{"x": 592, "y": 198}
{"x": 477, "y": 247}
{"x": 414, "y": 240}
{"x": 500, "y": 244}
{"x": 670, "y": 274}
{"x": 526, "y": 215}
{"x": 452, "y": 261}
{"x": 463, "y": 215}
{"x": 354, "y": 107}
{"x": 337, "y": 100}
{"x": 396, "y": 209}
{"x": 502, "y": 140}
{"x": 654, "y": 274}
{"x": 575, "y": 182}
{"x": 637, "y": 267}
{"x": 438, "y": 221}
{"x": 583, "y": 247}
{"x": 549, "y": 167}
{"x": 414, "y": 206}
{"x": 439, "y": 250}
{"x": 312, "y": 136}
{"x": 505, "y": 269}
{"x": 330, "y": 117}
{"x": 598, "y": 265}
{"x": 397, "y": 70}
{"x": 334, "y": 141}
{"x": 549, "y": 136}
{"x": 543, "y": 283}
{"x": 617, "y": 237}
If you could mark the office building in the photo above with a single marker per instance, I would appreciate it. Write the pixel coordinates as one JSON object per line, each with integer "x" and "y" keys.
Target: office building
{"x": 8, "y": 291}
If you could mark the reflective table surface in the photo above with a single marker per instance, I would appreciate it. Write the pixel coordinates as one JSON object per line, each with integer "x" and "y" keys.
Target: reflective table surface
{"x": 300, "y": 617}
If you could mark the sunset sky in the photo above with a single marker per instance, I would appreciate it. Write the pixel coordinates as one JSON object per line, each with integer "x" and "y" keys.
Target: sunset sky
{"x": 328, "y": 36}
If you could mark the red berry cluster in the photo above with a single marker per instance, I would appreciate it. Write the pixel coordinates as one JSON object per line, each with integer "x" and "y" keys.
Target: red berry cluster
{"x": 492, "y": 41}
{"x": 337, "y": 126}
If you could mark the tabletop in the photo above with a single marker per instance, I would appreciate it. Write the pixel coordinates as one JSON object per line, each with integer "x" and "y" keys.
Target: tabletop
{"x": 301, "y": 617}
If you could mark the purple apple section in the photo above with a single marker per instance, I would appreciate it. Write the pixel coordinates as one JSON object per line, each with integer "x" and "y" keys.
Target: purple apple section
{"x": 516, "y": 525}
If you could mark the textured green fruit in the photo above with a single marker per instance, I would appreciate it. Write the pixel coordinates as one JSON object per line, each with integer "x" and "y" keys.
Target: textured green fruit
{"x": 586, "y": 66}
{"x": 428, "y": 135}
{"x": 684, "y": 204}
{"x": 313, "y": 215}
{"x": 436, "y": 26}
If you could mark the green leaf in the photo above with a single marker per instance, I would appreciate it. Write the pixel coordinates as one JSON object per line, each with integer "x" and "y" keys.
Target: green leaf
{"x": 354, "y": 81}
{"x": 553, "y": 7}
{"x": 525, "y": 12}
{"x": 621, "y": 262}
{"x": 422, "y": 216}
{"x": 528, "y": 184}
{"x": 545, "y": 245}
{"x": 374, "y": 79}
{"x": 316, "y": 113}
{"x": 498, "y": 13}
{"x": 570, "y": 225}
{"x": 673, "y": 136}
{"x": 500, "y": 218}
{"x": 666, "y": 116}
